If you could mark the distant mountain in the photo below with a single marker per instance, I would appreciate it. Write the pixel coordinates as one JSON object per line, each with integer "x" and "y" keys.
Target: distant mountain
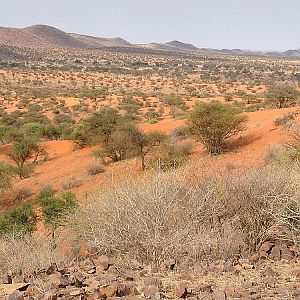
{"x": 97, "y": 42}
{"x": 8, "y": 54}
{"x": 292, "y": 53}
{"x": 182, "y": 46}
{"x": 43, "y": 36}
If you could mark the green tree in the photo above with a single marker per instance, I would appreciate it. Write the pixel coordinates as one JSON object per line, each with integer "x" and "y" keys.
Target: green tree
{"x": 214, "y": 123}
{"x": 282, "y": 95}
{"x": 18, "y": 219}
{"x": 6, "y": 175}
{"x": 145, "y": 142}
{"x": 24, "y": 151}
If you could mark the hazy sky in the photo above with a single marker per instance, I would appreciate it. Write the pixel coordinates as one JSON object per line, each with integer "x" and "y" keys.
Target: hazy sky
{"x": 247, "y": 24}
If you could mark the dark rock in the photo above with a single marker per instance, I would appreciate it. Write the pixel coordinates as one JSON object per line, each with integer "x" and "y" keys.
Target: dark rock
{"x": 51, "y": 269}
{"x": 266, "y": 247}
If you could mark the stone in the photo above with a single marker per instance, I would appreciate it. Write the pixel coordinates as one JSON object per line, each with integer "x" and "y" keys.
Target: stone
{"x": 16, "y": 295}
{"x": 7, "y": 279}
{"x": 102, "y": 263}
{"x": 286, "y": 253}
{"x": 75, "y": 292}
{"x": 266, "y": 247}
{"x": 152, "y": 281}
{"x": 275, "y": 253}
{"x": 270, "y": 272}
{"x": 150, "y": 291}
{"x": 219, "y": 296}
{"x": 49, "y": 296}
{"x": 110, "y": 290}
{"x": 271, "y": 282}
{"x": 168, "y": 264}
{"x": 207, "y": 288}
{"x": 127, "y": 289}
{"x": 180, "y": 290}
{"x": 51, "y": 269}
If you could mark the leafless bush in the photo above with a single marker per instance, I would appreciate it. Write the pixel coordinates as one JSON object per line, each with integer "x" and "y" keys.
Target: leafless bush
{"x": 151, "y": 220}
{"x": 95, "y": 168}
{"x": 71, "y": 182}
{"x": 26, "y": 254}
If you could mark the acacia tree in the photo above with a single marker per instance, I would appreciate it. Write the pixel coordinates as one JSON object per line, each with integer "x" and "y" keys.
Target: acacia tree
{"x": 145, "y": 142}
{"x": 282, "y": 95}
{"x": 25, "y": 150}
{"x": 214, "y": 123}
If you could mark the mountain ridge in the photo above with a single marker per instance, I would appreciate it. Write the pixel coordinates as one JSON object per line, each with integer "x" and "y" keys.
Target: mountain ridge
{"x": 44, "y": 36}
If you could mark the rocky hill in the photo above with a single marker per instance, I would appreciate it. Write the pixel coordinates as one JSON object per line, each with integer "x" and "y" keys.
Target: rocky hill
{"x": 43, "y": 36}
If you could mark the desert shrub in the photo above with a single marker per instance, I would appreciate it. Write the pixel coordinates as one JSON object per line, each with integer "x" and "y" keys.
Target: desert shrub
{"x": 176, "y": 112}
{"x": 214, "y": 123}
{"x": 180, "y": 133}
{"x": 98, "y": 127}
{"x": 286, "y": 119}
{"x": 282, "y": 95}
{"x": 95, "y": 168}
{"x": 175, "y": 101}
{"x": 23, "y": 194}
{"x": 24, "y": 152}
{"x": 171, "y": 156}
{"x": 130, "y": 105}
{"x": 21, "y": 254}
{"x": 71, "y": 182}
{"x": 63, "y": 118}
{"x": 55, "y": 207}
{"x": 293, "y": 147}
{"x": 147, "y": 220}
{"x": 18, "y": 219}
{"x": 167, "y": 216}
{"x": 6, "y": 175}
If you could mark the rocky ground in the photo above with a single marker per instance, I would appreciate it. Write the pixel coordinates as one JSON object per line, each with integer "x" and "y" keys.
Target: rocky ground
{"x": 272, "y": 273}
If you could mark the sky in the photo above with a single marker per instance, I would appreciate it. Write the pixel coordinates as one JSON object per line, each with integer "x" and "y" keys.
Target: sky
{"x": 245, "y": 24}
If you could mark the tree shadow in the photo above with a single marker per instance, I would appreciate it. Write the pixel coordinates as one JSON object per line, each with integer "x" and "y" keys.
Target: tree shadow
{"x": 242, "y": 141}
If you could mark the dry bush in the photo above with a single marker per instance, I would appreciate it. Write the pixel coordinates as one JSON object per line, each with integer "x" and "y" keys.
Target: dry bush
{"x": 154, "y": 219}
{"x": 95, "y": 168}
{"x": 26, "y": 254}
{"x": 151, "y": 220}
{"x": 71, "y": 182}
{"x": 255, "y": 195}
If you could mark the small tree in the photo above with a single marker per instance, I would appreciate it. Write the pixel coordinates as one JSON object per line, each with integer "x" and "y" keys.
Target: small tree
{"x": 119, "y": 144}
{"x": 145, "y": 142}
{"x": 214, "y": 123}
{"x": 6, "y": 175}
{"x": 282, "y": 95}
{"x": 25, "y": 150}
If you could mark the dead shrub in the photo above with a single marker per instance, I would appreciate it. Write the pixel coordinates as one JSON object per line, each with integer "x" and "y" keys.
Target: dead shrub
{"x": 71, "y": 182}
{"x": 167, "y": 216}
{"x": 95, "y": 168}
{"x": 25, "y": 254}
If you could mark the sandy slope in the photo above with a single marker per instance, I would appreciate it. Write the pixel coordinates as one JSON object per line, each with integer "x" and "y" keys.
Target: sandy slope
{"x": 66, "y": 165}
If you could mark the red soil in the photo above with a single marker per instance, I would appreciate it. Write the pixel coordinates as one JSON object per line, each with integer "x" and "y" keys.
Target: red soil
{"x": 66, "y": 164}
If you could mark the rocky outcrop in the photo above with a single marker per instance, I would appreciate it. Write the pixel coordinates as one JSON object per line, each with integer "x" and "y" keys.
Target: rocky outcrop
{"x": 272, "y": 273}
